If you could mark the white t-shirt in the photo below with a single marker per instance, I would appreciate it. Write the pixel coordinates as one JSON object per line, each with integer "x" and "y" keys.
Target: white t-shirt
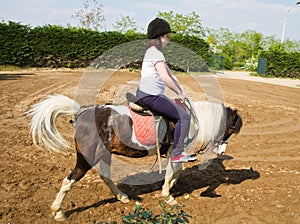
{"x": 151, "y": 82}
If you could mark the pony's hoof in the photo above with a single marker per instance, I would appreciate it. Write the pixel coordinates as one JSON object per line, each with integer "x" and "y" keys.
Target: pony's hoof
{"x": 123, "y": 198}
{"x": 165, "y": 193}
{"x": 59, "y": 216}
{"x": 171, "y": 200}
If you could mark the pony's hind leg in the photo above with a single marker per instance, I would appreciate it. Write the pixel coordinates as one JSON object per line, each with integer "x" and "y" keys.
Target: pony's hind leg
{"x": 78, "y": 172}
{"x": 121, "y": 196}
{"x": 104, "y": 173}
{"x": 56, "y": 205}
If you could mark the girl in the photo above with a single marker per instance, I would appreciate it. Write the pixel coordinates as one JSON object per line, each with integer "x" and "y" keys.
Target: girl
{"x": 155, "y": 75}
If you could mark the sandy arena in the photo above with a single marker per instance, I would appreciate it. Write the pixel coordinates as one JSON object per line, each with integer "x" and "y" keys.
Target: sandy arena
{"x": 256, "y": 182}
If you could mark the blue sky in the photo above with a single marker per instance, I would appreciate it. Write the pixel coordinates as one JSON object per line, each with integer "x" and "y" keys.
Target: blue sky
{"x": 264, "y": 16}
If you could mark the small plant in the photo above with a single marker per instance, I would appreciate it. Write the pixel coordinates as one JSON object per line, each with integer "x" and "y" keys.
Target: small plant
{"x": 171, "y": 214}
{"x": 140, "y": 215}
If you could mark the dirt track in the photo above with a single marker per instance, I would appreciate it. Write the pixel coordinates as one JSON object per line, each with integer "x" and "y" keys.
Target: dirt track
{"x": 268, "y": 143}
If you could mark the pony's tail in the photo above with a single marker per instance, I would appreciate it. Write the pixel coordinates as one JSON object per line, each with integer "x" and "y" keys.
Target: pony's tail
{"x": 42, "y": 126}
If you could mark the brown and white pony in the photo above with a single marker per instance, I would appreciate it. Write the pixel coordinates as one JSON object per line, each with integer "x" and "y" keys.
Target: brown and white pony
{"x": 101, "y": 131}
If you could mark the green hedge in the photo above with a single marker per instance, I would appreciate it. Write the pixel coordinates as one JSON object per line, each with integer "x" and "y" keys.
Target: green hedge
{"x": 14, "y": 46}
{"x": 282, "y": 64}
{"x": 55, "y": 46}
{"x": 188, "y": 53}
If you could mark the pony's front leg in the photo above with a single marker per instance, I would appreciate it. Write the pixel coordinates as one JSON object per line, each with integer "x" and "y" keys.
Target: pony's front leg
{"x": 57, "y": 203}
{"x": 106, "y": 177}
{"x": 172, "y": 174}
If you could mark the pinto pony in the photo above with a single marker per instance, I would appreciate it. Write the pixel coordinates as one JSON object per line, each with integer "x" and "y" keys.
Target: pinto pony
{"x": 100, "y": 131}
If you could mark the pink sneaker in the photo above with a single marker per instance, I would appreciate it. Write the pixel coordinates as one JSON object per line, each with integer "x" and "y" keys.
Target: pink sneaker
{"x": 181, "y": 158}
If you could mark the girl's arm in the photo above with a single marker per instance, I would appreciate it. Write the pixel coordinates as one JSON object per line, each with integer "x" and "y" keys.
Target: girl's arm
{"x": 169, "y": 78}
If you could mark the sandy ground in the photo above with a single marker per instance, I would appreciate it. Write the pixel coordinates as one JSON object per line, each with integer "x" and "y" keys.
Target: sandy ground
{"x": 256, "y": 182}
{"x": 246, "y": 76}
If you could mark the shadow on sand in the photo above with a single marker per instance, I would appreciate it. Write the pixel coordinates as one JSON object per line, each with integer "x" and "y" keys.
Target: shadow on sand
{"x": 194, "y": 178}
{"x": 14, "y": 76}
{"x": 190, "y": 179}
{"x": 211, "y": 177}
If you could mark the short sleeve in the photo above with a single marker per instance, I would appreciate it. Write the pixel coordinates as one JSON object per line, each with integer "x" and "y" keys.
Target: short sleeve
{"x": 153, "y": 55}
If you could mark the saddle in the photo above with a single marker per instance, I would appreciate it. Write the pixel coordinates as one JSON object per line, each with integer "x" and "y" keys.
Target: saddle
{"x": 147, "y": 125}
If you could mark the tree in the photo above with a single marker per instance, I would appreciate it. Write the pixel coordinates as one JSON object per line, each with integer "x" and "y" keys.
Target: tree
{"x": 221, "y": 36}
{"x": 291, "y": 46}
{"x": 236, "y": 47}
{"x": 252, "y": 40}
{"x": 270, "y": 42}
{"x": 90, "y": 17}
{"x": 189, "y": 24}
{"x": 125, "y": 24}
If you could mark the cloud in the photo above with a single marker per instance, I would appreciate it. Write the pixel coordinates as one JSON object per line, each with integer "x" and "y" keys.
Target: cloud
{"x": 265, "y": 16}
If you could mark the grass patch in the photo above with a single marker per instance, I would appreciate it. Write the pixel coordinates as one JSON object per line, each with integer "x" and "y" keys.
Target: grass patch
{"x": 264, "y": 76}
{"x": 271, "y": 76}
{"x": 9, "y": 68}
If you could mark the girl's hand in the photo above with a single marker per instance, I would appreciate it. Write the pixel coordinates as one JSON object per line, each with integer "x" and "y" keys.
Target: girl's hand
{"x": 182, "y": 96}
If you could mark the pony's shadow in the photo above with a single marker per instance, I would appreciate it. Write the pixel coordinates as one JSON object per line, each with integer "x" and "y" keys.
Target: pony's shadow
{"x": 212, "y": 177}
{"x": 95, "y": 205}
{"x": 189, "y": 180}
{"x": 194, "y": 178}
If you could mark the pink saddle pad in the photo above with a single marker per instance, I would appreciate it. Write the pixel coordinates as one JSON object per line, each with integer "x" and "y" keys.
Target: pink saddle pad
{"x": 144, "y": 128}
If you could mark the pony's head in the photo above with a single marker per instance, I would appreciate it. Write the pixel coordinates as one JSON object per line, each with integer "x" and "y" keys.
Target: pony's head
{"x": 234, "y": 123}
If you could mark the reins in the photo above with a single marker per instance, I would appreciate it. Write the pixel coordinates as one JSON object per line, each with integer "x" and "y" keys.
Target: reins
{"x": 202, "y": 149}
{"x": 190, "y": 109}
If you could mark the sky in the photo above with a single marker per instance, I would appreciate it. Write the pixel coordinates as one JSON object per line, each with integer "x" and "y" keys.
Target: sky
{"x": 264, "y": 16}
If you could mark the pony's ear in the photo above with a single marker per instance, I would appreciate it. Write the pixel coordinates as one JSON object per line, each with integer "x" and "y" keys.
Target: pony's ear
{"x": 234, "y": 115}
{"x": 238, "y": 124}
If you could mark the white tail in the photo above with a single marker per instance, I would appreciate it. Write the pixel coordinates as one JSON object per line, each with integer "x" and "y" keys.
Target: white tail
{"x": 43, "y": 116}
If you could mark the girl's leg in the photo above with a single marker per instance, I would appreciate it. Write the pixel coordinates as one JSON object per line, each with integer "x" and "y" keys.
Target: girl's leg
{"x": 170, "y": 110}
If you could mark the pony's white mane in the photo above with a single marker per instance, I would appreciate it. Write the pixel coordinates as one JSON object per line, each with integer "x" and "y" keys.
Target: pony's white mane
{"x": 42, "y": 125}
{"x": 211, "y": 120}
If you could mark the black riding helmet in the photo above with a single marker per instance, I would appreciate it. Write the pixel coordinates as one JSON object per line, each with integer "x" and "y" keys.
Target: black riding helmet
{"x": 158, "y": 27}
